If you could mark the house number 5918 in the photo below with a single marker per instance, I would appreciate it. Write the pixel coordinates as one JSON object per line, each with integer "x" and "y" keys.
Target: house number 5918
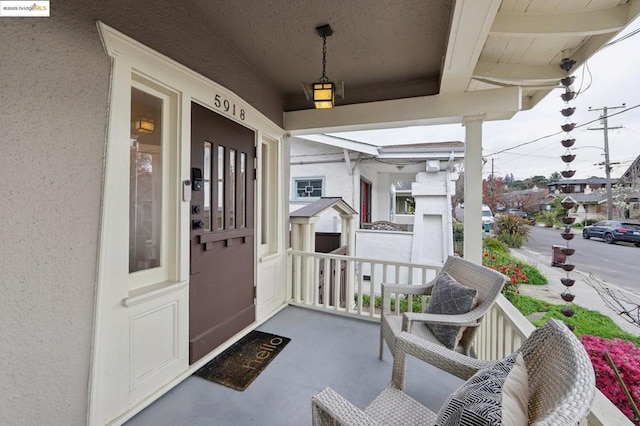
{"x": 228, "y": 107}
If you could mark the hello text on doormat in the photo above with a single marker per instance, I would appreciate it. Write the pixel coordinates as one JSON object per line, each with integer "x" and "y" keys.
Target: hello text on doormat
{"x": 241, "y": 363}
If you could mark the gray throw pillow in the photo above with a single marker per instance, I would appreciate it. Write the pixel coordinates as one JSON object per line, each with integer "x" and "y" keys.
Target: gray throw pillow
{"x": 451, "y": 298}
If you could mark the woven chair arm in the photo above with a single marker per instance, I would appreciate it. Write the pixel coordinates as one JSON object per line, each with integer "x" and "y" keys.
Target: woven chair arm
{"x": 445, "y": 359}
{"x": 388, "y": 290}
{"x": 470, "y": 319}
{"x": 330, "y": 408}
{"x": 422, "y": 289}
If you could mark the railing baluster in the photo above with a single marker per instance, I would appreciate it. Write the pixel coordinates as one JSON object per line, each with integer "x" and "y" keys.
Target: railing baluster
{"x": 337, "y": 284}
{"x": 316, "y": 281}
{"x": 360, "y": 287}
{"x": 372, "y": 290}
{"x": 297, "y": 266}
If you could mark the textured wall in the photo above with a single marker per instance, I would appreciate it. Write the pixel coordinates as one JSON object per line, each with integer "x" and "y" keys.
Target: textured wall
{"x": 54, "y": 82}
{"x": 179, "y": 30}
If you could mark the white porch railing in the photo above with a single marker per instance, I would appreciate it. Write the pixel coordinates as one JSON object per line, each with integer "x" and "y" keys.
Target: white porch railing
{"x": 330, "y": 282}
{"x": 502, "y": 330}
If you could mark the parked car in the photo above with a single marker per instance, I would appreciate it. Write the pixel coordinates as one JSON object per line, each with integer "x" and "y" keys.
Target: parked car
{"x": 487, "y": 216}
{"x": 517, "y": 212}
{"x": 523, "y": 215}
{"x": 612, "y": 231}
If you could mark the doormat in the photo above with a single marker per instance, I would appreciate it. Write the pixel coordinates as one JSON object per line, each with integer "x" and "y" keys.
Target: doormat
{"x": 243, "y": 361}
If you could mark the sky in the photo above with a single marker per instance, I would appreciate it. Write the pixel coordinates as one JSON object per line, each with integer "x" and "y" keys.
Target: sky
{"x": 610, "y": 78}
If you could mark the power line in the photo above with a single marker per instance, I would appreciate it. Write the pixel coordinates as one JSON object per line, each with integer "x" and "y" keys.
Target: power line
{"x": 560, "y": 132}
{"x": 631, "y": 34}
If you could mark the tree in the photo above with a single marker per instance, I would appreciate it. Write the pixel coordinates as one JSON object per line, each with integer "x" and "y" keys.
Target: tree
{"x": 555, "y": 176}
{"x": 492, "y": 190}
{"x": 509, "y": 179}
{"x": 458, "y": 198}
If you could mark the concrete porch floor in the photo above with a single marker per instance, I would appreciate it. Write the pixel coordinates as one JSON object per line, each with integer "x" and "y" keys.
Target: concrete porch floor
{"x": 325, "y": 350}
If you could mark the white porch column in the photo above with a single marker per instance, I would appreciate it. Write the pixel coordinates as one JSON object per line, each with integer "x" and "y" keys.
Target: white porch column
{"x": 473, "y": 189}
{"x": 349, "y": 239}
{"x": 432, "y": 219}
{"x": 303, "y": 239}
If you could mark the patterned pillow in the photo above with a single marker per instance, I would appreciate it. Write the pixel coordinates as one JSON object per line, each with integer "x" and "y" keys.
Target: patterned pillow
{"x": 451, "y": 298}
{"x": 495, "y": 395}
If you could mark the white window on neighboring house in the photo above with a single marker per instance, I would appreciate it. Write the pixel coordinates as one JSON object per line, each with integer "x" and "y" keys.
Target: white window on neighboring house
{"x": 306, "y": 189}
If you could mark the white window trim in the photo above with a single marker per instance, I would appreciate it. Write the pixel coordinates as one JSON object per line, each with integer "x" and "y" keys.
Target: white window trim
{"x": 169, "y": 255}
{"x": 294, "y": 192}
{"x": 269, "y": 154}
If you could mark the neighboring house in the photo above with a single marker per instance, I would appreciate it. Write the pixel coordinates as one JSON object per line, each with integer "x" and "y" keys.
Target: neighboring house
{"x": 145, "y": 166}
{"x": 530, "y": 200}
{"x": 579, "y": 186}
{"x": 628, "y": 185}
{"x": 401, "y": 189}
{"x": 589, "y": 195}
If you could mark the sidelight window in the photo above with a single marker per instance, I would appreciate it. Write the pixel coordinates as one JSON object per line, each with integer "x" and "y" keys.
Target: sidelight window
{"x": 145, "y": 181}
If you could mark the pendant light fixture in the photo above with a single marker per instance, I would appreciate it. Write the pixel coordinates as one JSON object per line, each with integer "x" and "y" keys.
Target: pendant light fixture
{"x": 144, "y": 123}
{"x": 323, "y": 92}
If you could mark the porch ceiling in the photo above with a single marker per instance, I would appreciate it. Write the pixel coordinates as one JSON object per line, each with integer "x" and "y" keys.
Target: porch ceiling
{"x": 393, "y": 49}
{"x": 391, "y": 54}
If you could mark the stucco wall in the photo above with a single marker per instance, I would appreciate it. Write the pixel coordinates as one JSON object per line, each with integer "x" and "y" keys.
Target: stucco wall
{"x": 309, "y": 159}
{"x": 53, "y": 99}
{"x": 180, "y": 31}
{"x": 54, "y": 85}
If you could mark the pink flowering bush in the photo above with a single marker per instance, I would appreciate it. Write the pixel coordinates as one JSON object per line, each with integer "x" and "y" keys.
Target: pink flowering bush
{"x": 626, "y": 357}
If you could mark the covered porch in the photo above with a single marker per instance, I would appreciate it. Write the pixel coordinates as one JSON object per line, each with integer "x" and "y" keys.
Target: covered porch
{"x": 325, "y": 350}
{"x": 102, "y": 293}
{"x": 336, "y": 345}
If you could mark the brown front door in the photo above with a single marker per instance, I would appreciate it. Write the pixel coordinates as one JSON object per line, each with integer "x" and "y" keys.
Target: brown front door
{"x": 221, "y": 289}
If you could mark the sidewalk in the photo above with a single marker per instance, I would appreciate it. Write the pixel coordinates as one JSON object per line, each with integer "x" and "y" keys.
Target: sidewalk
{"x": 586, "y": 296}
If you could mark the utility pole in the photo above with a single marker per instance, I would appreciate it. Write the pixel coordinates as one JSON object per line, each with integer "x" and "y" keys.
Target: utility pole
{"x": 607, "y": 164}
{"x": 491, "y": 182}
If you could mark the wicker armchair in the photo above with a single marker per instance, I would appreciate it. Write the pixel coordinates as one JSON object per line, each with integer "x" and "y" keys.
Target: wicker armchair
{"x": 561, "y": 383}
{"x": 487, "y": 281}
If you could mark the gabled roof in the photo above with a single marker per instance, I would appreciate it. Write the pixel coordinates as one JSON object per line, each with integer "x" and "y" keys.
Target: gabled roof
{"x": 632, "y": 174}
{"x": 427, "y": 150}
{"x": 593, "y": 180}
{"x": 324, "y": 203}
{"x": 591, "y": 198}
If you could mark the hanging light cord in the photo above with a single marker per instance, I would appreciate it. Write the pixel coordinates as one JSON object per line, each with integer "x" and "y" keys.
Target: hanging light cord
{"x": 324, "y": 59}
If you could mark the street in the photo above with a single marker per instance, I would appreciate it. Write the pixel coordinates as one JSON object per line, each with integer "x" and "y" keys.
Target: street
{"x": 617, "y": 264}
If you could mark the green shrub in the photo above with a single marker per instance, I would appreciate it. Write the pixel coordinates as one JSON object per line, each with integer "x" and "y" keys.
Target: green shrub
{"x": 511, "y": 230}
{"x": 529, "y": 305}
{"x": 494, "y": 245}
{"x": 458, "y": 232}
{"x": 549, "y": 218}
{"x": 586, "y": 321}
{"x": 404, "y": 302}
{"x": 517, "y": 271}
{"x": 534, "y": 276}
{"x": 509, "y": 240}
